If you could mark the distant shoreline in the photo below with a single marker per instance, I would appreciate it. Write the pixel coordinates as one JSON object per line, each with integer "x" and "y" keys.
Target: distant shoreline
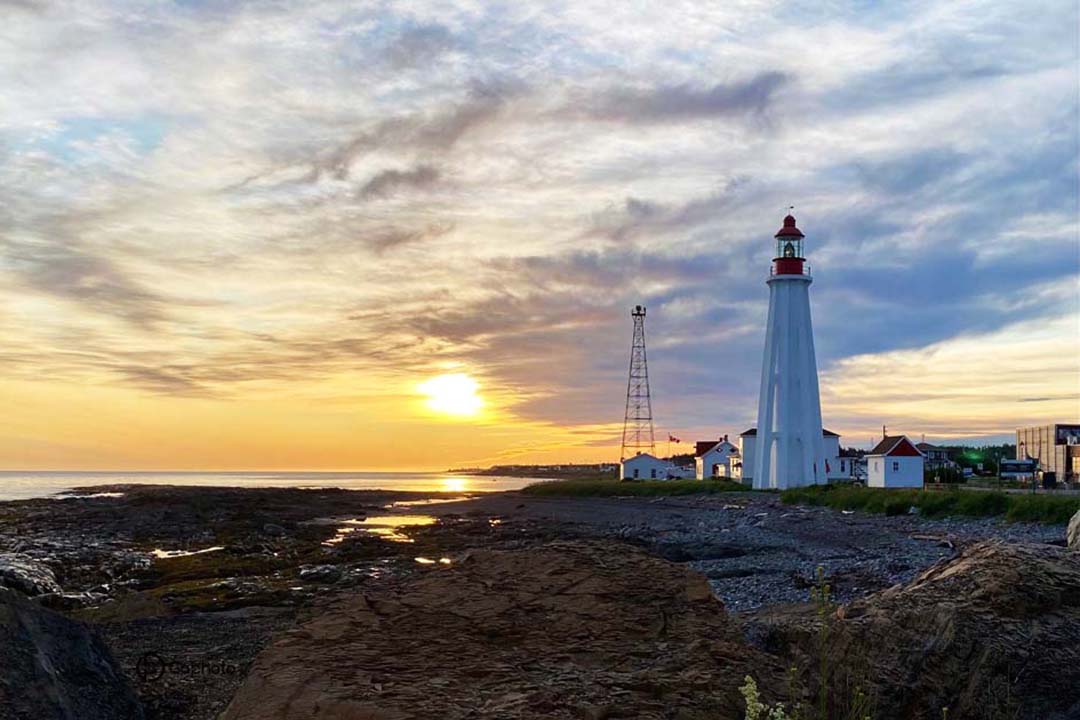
{"x": 31, "y": 485}
{"x": 543, "y": 472}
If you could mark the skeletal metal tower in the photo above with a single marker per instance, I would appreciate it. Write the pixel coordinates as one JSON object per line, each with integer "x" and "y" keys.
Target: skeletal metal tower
{"x": 637, "y": 434}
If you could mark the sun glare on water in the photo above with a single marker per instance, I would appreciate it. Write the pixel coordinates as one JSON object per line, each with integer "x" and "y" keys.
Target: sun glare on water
{"x": 452, "y": 394}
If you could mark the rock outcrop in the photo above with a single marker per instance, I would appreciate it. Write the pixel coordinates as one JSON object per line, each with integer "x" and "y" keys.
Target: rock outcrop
{"x": 991, "y": 633}
{"x": 52, "y": 668}
{"x": 1072, "y": 533}
{"x": 27, "y": 575}
{"x": 563, "y": 630}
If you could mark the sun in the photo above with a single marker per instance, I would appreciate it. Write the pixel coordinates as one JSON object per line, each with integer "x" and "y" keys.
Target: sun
{"x": 452, "y": 394}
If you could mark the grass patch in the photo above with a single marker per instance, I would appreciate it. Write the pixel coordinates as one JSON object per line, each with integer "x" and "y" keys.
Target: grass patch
{"x": 594, "y": 487}
{"x": 954, "y": 502}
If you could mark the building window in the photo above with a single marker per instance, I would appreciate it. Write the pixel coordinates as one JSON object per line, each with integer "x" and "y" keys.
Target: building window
{"x": 654, "y": 473}
{"x": 896, "y": 467}
{"x": 635, "y": 473}
{"x": 876, "y": 466}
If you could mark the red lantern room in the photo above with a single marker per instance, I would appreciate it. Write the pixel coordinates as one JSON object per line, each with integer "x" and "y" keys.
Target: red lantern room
{"x": 789, "y": 249}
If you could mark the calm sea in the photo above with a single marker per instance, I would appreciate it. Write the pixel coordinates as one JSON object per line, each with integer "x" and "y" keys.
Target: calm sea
{"x": 21, "y": 485}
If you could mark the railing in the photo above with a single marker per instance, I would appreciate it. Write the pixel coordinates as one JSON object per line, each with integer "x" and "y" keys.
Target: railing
{"x": 805, "y": 271}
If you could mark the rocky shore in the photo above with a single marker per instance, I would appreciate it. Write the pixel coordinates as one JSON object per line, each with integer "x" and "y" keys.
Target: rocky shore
{"x": 186, "y": 587}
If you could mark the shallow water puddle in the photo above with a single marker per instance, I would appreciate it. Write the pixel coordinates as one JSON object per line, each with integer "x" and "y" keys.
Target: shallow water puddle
{"x": 383, "y": 526}
{"x": 161, "y": 554}
{"x": 87, "y": 496}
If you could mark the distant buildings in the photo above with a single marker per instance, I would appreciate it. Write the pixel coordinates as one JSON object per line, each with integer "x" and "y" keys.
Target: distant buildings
{"x": 718, "y": 459}
{"x": 1056, "y": 447}
{"x": 936, "y": 457}
{"x": 646, "y": 467}
{"x": 894, "y": 462}
{"x": 643, "y": 467}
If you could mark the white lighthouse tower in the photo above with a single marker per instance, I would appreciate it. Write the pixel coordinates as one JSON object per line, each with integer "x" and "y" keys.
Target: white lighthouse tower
{"x": 789, "y": 451}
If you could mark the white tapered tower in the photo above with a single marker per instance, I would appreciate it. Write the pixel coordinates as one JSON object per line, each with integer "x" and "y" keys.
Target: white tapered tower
{"x": 789, "y": 451}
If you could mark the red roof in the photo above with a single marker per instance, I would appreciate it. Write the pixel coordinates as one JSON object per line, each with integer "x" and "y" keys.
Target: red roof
{"x": 895, "y": 445}
{"x": 789, "y": 229}
{"x": 704, "y": 446}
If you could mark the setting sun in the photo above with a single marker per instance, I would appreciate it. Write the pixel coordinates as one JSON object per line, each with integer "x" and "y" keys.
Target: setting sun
{"x": 452, "y": 394}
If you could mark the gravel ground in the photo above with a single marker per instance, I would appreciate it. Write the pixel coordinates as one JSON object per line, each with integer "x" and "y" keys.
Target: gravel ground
{"x": 755, "y": 550}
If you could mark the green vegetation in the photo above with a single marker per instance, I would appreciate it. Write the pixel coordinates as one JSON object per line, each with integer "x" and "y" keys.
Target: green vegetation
{"x": 839, "y": 696}
{"x": 947, "y": 475}
{"x": 595, "y": 487}
{"x": 972, "y": 503}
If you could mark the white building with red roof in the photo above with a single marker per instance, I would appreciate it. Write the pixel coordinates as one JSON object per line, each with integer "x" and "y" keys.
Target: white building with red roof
{"x": 717, "y": 459}
{"x": 895, "y": 462}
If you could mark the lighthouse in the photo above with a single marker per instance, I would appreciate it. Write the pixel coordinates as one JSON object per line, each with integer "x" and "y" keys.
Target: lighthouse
{"x": 789, "y": 451}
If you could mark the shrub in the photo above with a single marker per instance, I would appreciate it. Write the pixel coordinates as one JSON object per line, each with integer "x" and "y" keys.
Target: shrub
{"x": 1014, "y": 507}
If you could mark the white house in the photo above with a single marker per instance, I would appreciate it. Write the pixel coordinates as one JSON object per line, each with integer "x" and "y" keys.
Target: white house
{"x": 894, "y": 462}
{"x": 836, "y": 467}
{"x": 644, "y": 467}
{"x": 717, "y": 459}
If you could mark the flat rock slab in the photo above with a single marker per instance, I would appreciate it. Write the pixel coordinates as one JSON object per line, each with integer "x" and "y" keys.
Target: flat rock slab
{"x": 564, "y": 630}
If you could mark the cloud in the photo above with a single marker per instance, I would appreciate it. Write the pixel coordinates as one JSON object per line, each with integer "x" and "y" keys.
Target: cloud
{"x": 435, "y": 131}
{"x": 63, "y": 269}
{"x": 418, "y": 45}
{"x": 677, "y": 103}
{"x": 935, "y": 390}
{"x": 389, "y": 181}
{"x": 390, "y": 238}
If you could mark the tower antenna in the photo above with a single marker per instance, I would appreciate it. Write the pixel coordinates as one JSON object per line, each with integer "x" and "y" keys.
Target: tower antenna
{"x": 637, "y": 436}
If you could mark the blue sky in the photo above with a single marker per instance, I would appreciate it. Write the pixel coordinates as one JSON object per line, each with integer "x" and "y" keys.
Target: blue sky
{"x": 211, "y": 201}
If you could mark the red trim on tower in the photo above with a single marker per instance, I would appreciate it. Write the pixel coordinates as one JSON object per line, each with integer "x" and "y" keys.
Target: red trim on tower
{"x": 788, "y": 266}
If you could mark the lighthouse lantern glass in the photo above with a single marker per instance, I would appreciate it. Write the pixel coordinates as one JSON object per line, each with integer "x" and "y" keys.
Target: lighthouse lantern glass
{"x": 789, "y": 247}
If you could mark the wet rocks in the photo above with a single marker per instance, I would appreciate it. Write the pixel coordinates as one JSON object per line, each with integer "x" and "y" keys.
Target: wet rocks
{"x": 28, "y": 576}
{"x": 320, "y": 573}
{"x": 565, "y": 629}
{"x": 1072, "y": 533}
{"x": 55, "y": 668}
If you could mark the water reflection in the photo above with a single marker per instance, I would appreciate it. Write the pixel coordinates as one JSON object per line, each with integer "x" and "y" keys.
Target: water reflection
{"x": 454, "y": 483}
{"x": 383, "y": 526}
{"x": 427, "y": 501}
{"x": 429, "y": 561}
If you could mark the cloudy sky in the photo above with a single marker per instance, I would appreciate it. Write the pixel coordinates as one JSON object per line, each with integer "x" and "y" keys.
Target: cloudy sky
{"x": 249, "y": 234}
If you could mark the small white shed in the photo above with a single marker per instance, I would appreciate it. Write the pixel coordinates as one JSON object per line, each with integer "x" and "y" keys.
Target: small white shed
{"x": 644, "y": 467}
{"x": 894, "y": 462}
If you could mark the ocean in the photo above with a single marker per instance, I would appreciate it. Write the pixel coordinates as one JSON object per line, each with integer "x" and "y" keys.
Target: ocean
{"x": 16, "y": 485}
